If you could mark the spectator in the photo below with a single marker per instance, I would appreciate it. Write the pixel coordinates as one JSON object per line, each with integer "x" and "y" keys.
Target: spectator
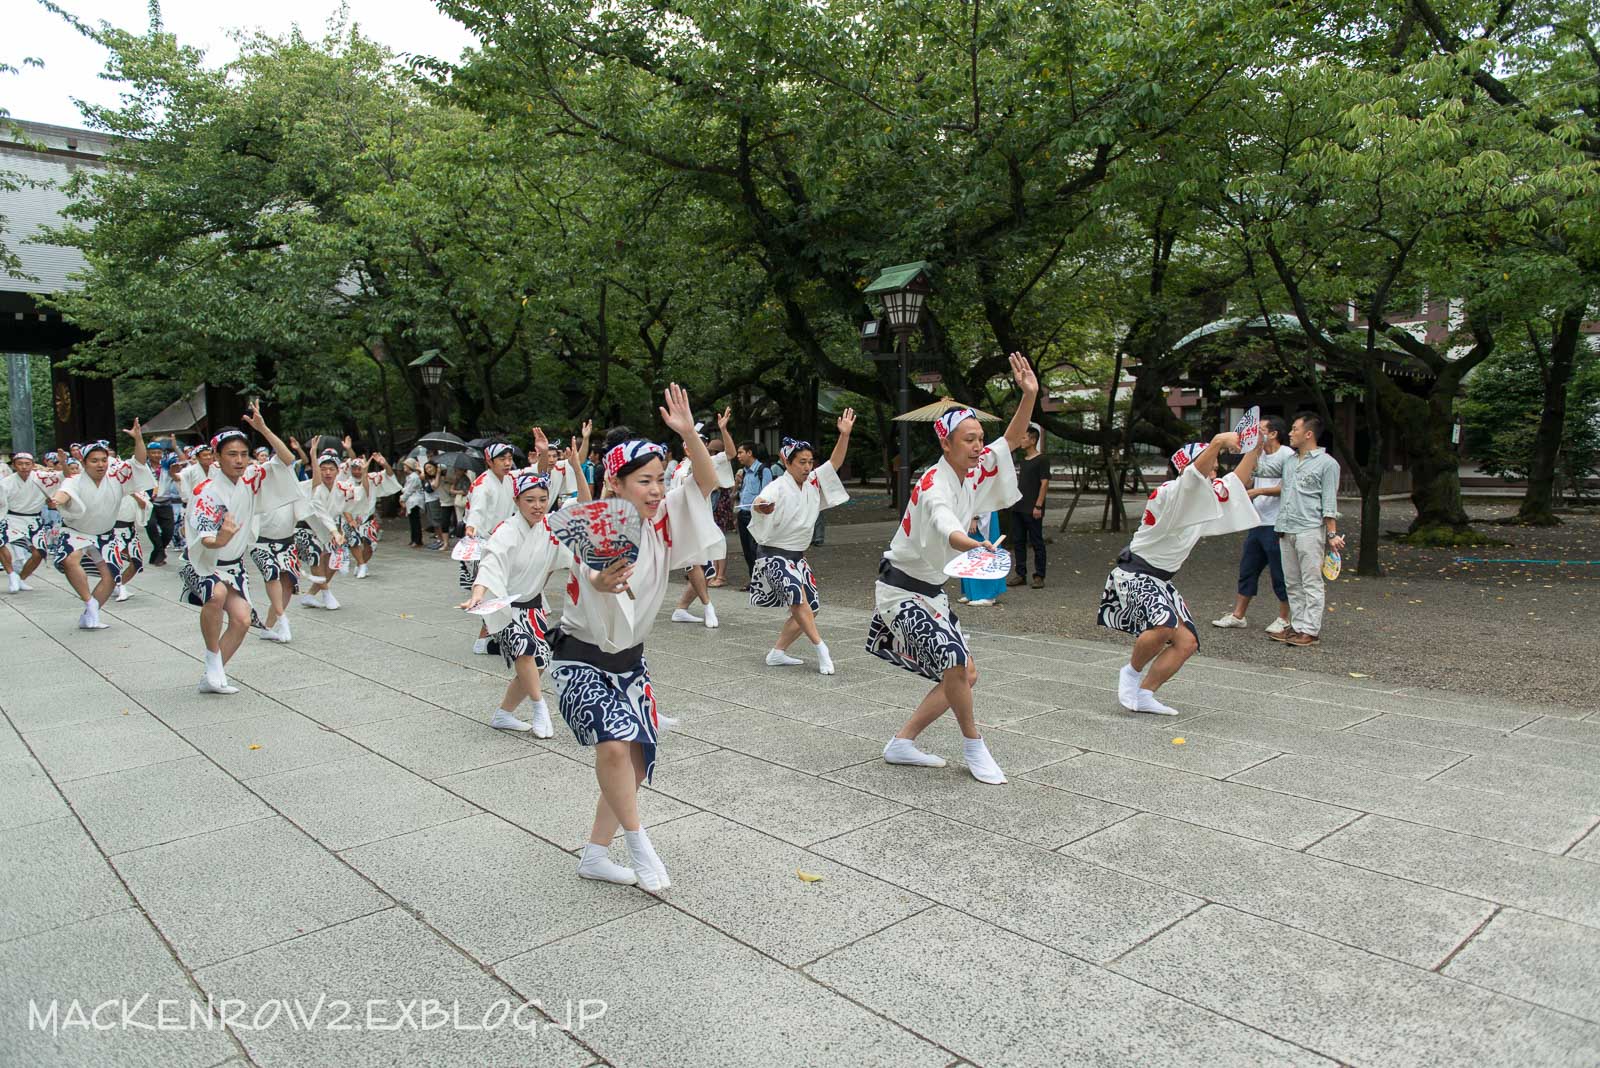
{"x": 162, "y": 499}
{"x": 412, "y": 500}
{"x": 1027, "y": 511}
{"x": 433, "y": 514}
{"x": 754, "y": 476}
{"x": 1308, "y": 519}
{"x": 1261, "y": 548}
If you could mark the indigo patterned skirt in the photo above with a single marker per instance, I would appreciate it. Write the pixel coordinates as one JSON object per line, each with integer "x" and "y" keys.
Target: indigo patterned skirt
{"x": 526, "y": 635}
{"x": 1135, "y": 602}
{"x": 604, "y": 705}
{"x": 917, "y": 632}
{"x": 278, "y": 558}
{"x": 198, "y": 589}
{"x": 783, "y": 581}
{"x": 96, "y": 547}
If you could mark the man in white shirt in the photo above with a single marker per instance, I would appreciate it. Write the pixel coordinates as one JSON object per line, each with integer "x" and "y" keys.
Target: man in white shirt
{"x": 1261, "y": 550}
{"x": 88, "y": 503}
{"x": 27, "y": 491}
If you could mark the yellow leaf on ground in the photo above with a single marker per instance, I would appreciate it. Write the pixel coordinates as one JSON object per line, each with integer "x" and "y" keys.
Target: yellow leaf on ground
{"x": 807, "y": 877}
{"x": 1180, "y": 741}
{"x": 255, "y": 747}
{"x": 1358, "y": 675}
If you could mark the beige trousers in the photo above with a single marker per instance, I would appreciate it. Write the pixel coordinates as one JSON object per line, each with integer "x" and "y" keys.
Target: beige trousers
{"x": 1302, "y": 574}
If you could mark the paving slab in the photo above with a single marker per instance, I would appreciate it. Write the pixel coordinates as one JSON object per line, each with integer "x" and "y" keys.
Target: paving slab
{"x": 778, "y": 740}
{"x": 1519, "y": 745}
{"x": 351, "y": 702}
{"x": 77, "y": 698}
{"x": 183, "y": 707}
{"x": 1083, "y": 909}
{"x": 1334, "y": 746}
{"x": 1548, "y": 962}
{"x": 1527, "y": 879}
{"x": 53, "y": 876}
{"x": 1146, "y": 738}
{"x": 551, "y": 796}
{"x": 1347, "y": 1004}
{"x": 1000, "y": 999}
{"x": 348, "y": 803}
{"x": 99, "y": 746}
{"x": 1224, "y": 806}
{"x": 786, "y": 804}
{"x": 230, "y": 892}
{"x": 1578, "y": 791}
{"x": 436, "y": 743}
{"x": 27, "y": 795}
{"x": 161, "y": 803}
{"x": 468, "y": 877}
{"x": 349, "y": 988}
{"x": 1452, "y": 808}
{"x": 1416, "y": 924}
{"x": 1027, "y": 811}
{"x": 728, "y": 1004}
{"x": 747, "y": 885}
{"x": 1564, "y": 730}
{"x": 265, "y": 745}
{"x": 115, "y": 964}
{"x": 1478, "y": 713}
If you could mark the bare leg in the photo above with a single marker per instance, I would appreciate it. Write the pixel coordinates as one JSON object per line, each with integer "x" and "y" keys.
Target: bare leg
{"x": 76, "y": 576}
{"x": 5, "y": 558}
{"x": 514, "y": 691}
{"x": 1149, "y": 645}
{"x": 528, "y": 679}
{"x": 954, "y": 693}
{"x": 107, "y": 583}
{"x": 619, "y": 773}
{"x": 34, "y": 560}
{"x": 1240, "y": 604}
{"x": 1283, "y": 611}
{"x": 786, "y": 636}
{"x": 697, "y": 583}
{"x": 278, "y": 601}
{"x": 1167, "y": 663}
{"x": 213, "y": 618}
{"x": 802, "y": 616}
{"x": 237, "y": 609}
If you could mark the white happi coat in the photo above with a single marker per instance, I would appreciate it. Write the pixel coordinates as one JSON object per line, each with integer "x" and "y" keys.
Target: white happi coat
{"x": 135, "y": 508}
{"x": 91, "y": 509}
{"x": 192, "y": 475}
{"x": 370, "y": 487}
{"x": 944, "y": 502}
{"x": 564, "y": 479}
{"x": 31, "y": 494}
{"x": 795, "y": 507}
{"x": 260, "y": 489}
{"x": 683, "y": 475}
{"x": 682, "y": 533}
{"x": 516, "y": 562}
{"x": 489, "y": 502}
{"x": 327, "y": 507}
{"x": 1190, "y": 507}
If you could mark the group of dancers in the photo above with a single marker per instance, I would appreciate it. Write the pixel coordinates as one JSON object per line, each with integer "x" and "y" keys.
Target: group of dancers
{"x": 594, "y": 655}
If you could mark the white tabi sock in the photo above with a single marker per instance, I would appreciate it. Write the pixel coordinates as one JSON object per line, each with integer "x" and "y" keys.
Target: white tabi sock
{"x": 905, "y": 751}
{"x": 646, "y": 865}
{"x": 1128, "y": 687}
{"x": 595, "y": 863}
{"x": 1148, "y": 703}
{"x": 980, "y": 762}
{"x": 779, "y": 658}
{"x": 711, "y": 618}
{"x": 824, "y": 661}
{"x": 541, "y": 720}
{"x": 506, "y": 721}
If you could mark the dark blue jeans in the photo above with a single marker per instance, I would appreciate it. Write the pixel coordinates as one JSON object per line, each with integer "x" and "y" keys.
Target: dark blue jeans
{"x": 1261, "y": 551}
{"x": 1027, "y": 530}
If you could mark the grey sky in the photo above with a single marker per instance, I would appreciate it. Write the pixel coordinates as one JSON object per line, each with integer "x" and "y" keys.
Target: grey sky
{"x": 73, "y": 63}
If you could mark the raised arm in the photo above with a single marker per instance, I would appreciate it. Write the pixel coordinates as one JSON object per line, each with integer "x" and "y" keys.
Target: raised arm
{"x": 1022, "y": 374}
{"x": 1206, "y": 462}
{"x": 140, "y": 453}
{"x": 541, "y": 448}
{"x": 841, "y": 448}
{"x": 679, "y": 418}
{"x": 254, "y": 420}
{"x": 1246, "y": 471}
{"x": 728, "y": 448}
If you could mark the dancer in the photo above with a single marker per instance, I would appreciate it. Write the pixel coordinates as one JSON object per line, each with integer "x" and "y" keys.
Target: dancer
{"x": 202, "y": 458}
{"x": 133, "y": 515}
{"x": 88, "y": 504}
{"x": 914, "y": 627}
{"x": 697, "y": 576}
{"x": 27, "y": 490}
{"x": 517, "y": 562}
{"x": 369, "y": 479}
{"x": 284, "y": 549}
{"x": 489, "y": 503}
{"x": 785, "y": 514}
{"x": 599, "y": 670}
{"x": 221, "y": 520}
{"x": 561, "y": 466}
{"x": 1140, "y": 598}
{"x": 324, "y": 531}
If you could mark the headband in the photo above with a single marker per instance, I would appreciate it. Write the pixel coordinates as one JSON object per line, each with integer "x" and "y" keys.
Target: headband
{"x": 21, "y": 456}
{"x": 622, "y": 455}
{"x": 1185, "y": 456}
{"x": 947, "y": 422}
{"x": 791, "y": 446}
{"x": 499, "y": 448}
{"x": 329, "y": 457}
{"x": 101, "y": 446}
{"x": 226, "y": 436}
{"x": 554, "y": 443}
{"x": 523, "y": 481}
{"x": 50, "y": 456}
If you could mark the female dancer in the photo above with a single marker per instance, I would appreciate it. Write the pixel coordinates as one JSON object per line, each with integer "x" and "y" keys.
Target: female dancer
{"x": 325, "y": 521}
{"x": 368, "y": 479}
{"x": 599, "y": 670}
{"x": 489, "y": 503}
{"x": 517, "y": 562}
{"x": 281, "y": 535}
{"x": 913, "y": 627}
{"x": 782, "y": 520}
{"x": 27, "y": 490}
{"x": 698, "y": 576}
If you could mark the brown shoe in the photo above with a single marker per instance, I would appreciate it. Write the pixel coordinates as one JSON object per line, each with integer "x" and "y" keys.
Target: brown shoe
{"x": 1303, "y": 640}
{"x": 1015, "y": 579}
{"x": 1038, "y": 582}
{"x": 1287, "y": 634}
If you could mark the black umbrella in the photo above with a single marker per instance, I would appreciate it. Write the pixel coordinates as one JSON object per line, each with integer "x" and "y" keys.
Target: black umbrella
{"x": 468, "y": 461}
{"x": 442, "y": 440}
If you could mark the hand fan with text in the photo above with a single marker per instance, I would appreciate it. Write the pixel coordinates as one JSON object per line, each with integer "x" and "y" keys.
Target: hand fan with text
{"x": 981, "y": 563}
{"x": 599, "y": 532}
{"x": 467, "y": 550}
{"x": 1249, "y": 429}
{"x": 492, "y": 605}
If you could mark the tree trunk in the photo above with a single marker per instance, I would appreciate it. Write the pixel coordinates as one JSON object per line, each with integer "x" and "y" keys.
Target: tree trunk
{"x": 1538, "y": 504}
{"x": 1436, "y": 464}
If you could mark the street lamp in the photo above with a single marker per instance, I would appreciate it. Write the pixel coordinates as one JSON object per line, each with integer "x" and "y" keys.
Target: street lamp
{"x": 431, "y": 366}
{"x": 904, "y": 291}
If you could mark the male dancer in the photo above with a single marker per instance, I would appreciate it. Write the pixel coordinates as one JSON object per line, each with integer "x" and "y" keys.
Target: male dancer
{"x": 27, "y": 491}
{"x": 88, "y": 504}
{"x": 913, "y": 626}
{"x": 490, "y": 502}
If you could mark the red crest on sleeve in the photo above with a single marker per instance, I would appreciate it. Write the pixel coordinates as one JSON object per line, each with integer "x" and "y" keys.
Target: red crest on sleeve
{"x": 572, "y": 588}
{"x": 1149, "y": 518}
{"x": 253, "y": 477}
{"x": 1220, "y": 488}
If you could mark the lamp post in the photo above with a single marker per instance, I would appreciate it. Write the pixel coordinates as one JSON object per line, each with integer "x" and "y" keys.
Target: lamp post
{"x": 904, "y": 291}
{"x": 431, "y": 366}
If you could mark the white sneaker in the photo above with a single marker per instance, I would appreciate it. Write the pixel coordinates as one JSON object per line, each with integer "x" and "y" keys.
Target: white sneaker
{"x": 595, "y": 863}
{"x": 824, "y": 661}
{"x": 505, "y": 721}
{"x": 480, "y": 647}
{"x": 122, "y": 593}
{"x": 1128, "y": 687}
{"x": 541, "y": 721}
{"x": 328, "y": 601}
{"x": 1148, "y": 703}
{"x": 905, "y": 751}
{"x": 1229, "y": 621}
{"x": 981, "y": 763}
{"x": 711, "y": 618}
{"x": 210, "y": 685}
{"x": 683, "y": 615}
{"x": 779, "y": 658}
{"x": 646, "y": 865}
{"x": 1278, "y": 626}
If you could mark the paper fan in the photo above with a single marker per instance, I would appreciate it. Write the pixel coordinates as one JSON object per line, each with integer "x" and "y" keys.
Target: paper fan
{"x": 980, "y": 563}
{"x": 467, "y": 550}
{"x": 1249, "y": 429}
{"x": 1332, "y": 562}
{"x": 599, "y": 532}
{"x": 490, "y": 607}
{"x": 339, "y": 559}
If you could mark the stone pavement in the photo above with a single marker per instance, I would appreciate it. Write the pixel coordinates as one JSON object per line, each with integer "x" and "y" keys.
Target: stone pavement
{"x": 354, "y": 869}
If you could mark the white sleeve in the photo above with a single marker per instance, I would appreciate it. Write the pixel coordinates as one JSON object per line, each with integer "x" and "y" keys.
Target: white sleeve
{"x": 1238, "y": 512}
{"x": 1190, "y": 500}
{"x": 494, "y": 563}
{"x": 386, "y": 486}
{"x": 763, "y": 525}
{"x": 691, "y": 528}
{"x": 277, "y": 486}
{"x": 829, "y": 485}
{"x": 724, "y": 468}
{"x": 996, "y": 477}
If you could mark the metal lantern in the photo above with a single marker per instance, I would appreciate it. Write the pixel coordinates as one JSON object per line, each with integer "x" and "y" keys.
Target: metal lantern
{"x": 904, "y": 290}
{"x": 430, "y": 365}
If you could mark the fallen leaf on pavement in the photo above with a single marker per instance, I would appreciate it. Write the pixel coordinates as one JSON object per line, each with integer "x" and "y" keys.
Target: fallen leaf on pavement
{"x": 807, "y": 877}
